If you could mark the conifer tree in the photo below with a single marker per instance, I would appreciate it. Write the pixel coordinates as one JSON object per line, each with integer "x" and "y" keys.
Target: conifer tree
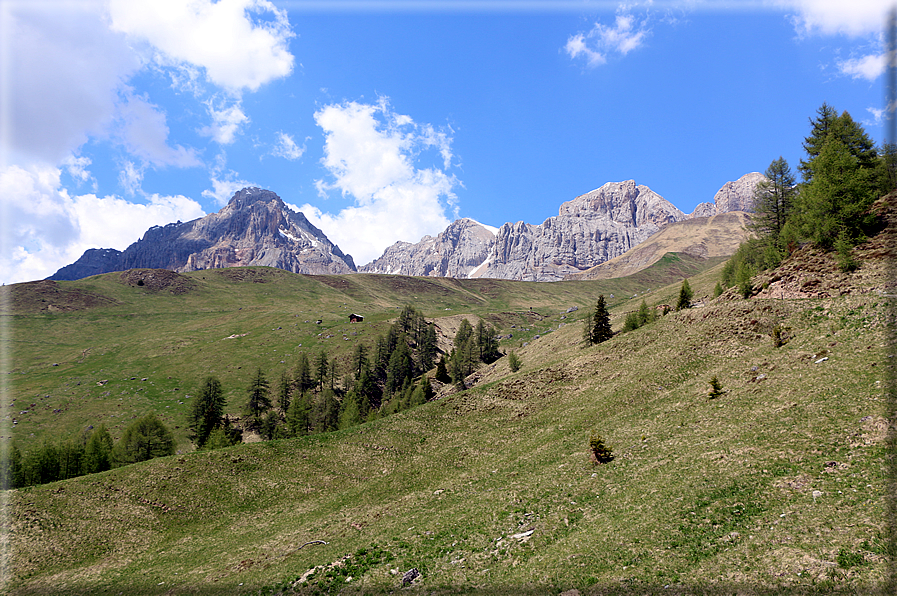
{"x": 284, "y": 392}
{"x": 597, "y": 327}
{"x": 98, "y": 451}
{"x": 303, "y": 377}
{"x": 442, "y": 374}
{"x": 145, "y": 438}
{"x": 350, "y": 413}
{"x": 773, "y": 202}
{"x": 208, "y": 410}
{"x": 259, "y": 401}
{"x": 836, "y": 201}
{"x": 322, "y": 368}
{"x": 299, "y": 415}
{"x": 685, "y": 296}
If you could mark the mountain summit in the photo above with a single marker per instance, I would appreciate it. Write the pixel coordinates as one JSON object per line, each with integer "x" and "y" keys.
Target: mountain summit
{"x": 254, "y": 228}
{"x": 589, "y": 230}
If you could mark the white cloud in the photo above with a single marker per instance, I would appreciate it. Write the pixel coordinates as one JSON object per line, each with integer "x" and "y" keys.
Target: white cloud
{"x": 831, "y": 17}
{"x": 131, "y": 177}
{"x": 224, "y": 183}
{"x": 868, "y": 67}
{"x": 370, "y": 152}
{"x": 241, "y": 44}
{"x": 77, "y": 168}
{"x": 142, "y": 129}
{"x": 287, "y": 148}
{"x": 64, "y": 70}
{"x": 877, "y": 117}
{"x": 576, "y": 46}
{"x": 626, "y": 35}
{"x": 226, "y": 123}
{"x": 46, "y": 228}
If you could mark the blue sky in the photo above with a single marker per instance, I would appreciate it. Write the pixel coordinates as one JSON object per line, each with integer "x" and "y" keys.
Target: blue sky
{"x": 386, "y": 120}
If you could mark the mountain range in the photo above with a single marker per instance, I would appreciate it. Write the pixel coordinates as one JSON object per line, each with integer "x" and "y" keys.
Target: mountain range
{"x": 257, "y": 228}
{"x": 589, "y": 230}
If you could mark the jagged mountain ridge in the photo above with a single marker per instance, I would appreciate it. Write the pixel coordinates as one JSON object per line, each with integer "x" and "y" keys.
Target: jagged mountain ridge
{"x": 254, "y": 228}
{"x": 589, "y": 230}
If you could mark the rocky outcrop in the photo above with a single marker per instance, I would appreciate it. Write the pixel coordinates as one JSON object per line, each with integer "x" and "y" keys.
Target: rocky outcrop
{"x": 735, "y": 195}
{"x": 254, "y": 228}
{"x": 588, "y": 230}
{"x": 459, "y": 251}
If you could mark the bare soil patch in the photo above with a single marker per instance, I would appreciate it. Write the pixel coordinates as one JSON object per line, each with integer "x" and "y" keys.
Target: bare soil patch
{"x": 158, "y": 280}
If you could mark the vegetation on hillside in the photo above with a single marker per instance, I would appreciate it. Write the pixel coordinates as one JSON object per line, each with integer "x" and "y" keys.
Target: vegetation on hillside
{"x": 842, "y": 175}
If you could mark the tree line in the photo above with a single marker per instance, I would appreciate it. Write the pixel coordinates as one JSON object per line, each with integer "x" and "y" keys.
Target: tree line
{"x": 377, "y": 381}
{"x": 316, "y": 396}
{"x": 842, "y": 174}
{"x": 94, "y": 451}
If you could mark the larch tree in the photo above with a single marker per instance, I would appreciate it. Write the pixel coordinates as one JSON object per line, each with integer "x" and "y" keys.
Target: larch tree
{"x": 208, "y": 410}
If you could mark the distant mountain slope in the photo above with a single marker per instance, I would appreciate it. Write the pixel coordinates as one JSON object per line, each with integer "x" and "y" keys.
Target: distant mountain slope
{"x": 455, "y": 252}
{"x": 702, "y": 237}
{"x": 589, "y": 230}
{"x": 254, "y": 228}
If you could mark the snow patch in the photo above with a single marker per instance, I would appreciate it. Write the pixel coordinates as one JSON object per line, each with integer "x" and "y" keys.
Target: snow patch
{"x": 492, "y": 229}
{"x": 287, "y": 235}
{"x": 475, "y": 272}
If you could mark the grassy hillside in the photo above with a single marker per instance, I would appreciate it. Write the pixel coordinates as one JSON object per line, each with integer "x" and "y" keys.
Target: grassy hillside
{"x": 116, "y": 346}
{"x": 778, "y": 486}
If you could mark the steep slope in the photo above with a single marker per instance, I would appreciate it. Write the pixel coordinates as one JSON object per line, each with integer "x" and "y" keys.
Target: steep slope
{"x": 254, "y": 228}
{"x": 458, "y": 251}
{"x": 702, "y": 237}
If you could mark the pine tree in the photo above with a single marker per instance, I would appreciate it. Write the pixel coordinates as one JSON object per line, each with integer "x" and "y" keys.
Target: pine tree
{"x": 71, "y": 459}
{"x": 631, "y": 323}
{"x": 284, "y": 391}
{"x": 645, "y": 315}
{"x": 597, "y": 327}
{"x": 427, "y": 350}
{"x": 465, "y": 331}
{"x": 98, "y": 451}
{"x": 487, "y": 345}
{"x": 836, "y": 202}
{"x": 442, "y": 374}
{"x": 303, "y": 376}
{"x": 325, "y": 411}
{"x": 207, "y": 411}
{"x": 685, "y": 296}
{"x": 359, "y": 360}
{"x": 350, "y": 413}
{"x": 601, "y": 453}
{"x": 299, "y": 415}
{"x": 824, "y": 124}
{"x": 322, "y": 368}
{"x": 145, "y": 438}
{"x": 259, "y": 401}
{"x": 773, "y": 203}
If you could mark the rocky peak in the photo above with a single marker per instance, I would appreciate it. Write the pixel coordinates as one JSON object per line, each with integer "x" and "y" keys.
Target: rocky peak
{"x": 738, "y": 195}
{"x": 458, "y": 251}
{"x": 250, "y": 195}
{"x": 254, "y": 228}
{"x": 624, "y": 202}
